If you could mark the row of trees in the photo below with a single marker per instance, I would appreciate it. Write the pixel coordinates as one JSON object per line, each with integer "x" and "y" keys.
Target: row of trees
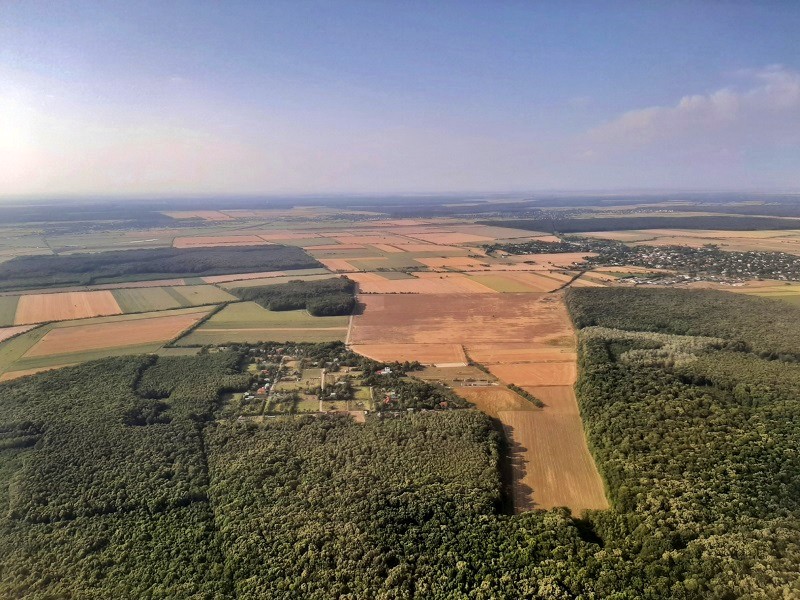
{"x": 83, "y": 269}
{"x": 321, "y": 298}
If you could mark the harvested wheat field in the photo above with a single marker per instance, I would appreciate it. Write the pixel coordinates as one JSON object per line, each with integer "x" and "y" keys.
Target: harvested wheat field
{"x": 551, "y": 464}
{"x": 206, "y": 215}
{"x": 431, "y": 283}
{"x": 64, "y": 306}
{"x": 467, "y": 319}
{"x": 337, "y": 264}
{"x": 9, "y": 332}
{"x": 113, "y": 334}
{"x": 533, "y": 374}
{"x": 218, "y": 241}
{"x": 459, "y": 263}
{"x": 428, "y": 354}
{"x": 557, "y": 398}
{"x": 451, "y": 238}
{"x": 555, "y": 260}
{"x": 9, "y": 375}
{"x": 494, "y": 399}
{"x": 524, "y": 352}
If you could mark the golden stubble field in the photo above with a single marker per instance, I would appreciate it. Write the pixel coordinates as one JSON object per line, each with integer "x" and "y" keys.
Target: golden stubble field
{"x": 63, "y": 306}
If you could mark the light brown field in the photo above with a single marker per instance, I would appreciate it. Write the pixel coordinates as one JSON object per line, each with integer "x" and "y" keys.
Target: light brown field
{"x": 428, "y": 354}
{"x": 337, "y": 264}
{"x": 112, "y": 334}
{"x": 338, "y": 247}
{"x": 467, "y": 319}
{"x": 278, "y": 236}
{"x": 521, "y": 352}
{"x": 536, "y": 374}
{"x": 460, "y": 263}
{"x": 387, "y": 248}
{"x": 454, "y": 376}
{"x": 63, "y": 306}
{"x": 522, "y": 281}
{"x": 551, "y": 462}
{"x": 494, "y": 399}
{"x": 526, "y": 339}
{"x": 417, "y": 247}
{"x": 9, "y": 375}
{"x": 9, "y": 332}
{"x": 558, "y": 259}
{"x": 217, "y": 241}
{"x": 451, "y": 238}
{"x": 432, "y": 283}
{"x": 243, "y": 276}
{"x": 207, "y": 215}
{"x": 370, "y": 239}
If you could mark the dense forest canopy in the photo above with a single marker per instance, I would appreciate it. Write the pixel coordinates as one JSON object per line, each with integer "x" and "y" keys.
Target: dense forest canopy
{"x": 321, "y": 298}
{"x": 84, "y": 269}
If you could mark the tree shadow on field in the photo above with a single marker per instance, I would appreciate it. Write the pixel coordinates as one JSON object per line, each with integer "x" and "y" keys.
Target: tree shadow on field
{"x": 517, "y": 495}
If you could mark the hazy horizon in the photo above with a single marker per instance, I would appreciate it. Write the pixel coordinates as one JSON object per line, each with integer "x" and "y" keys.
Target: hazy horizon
{"x": 144, "y": 100}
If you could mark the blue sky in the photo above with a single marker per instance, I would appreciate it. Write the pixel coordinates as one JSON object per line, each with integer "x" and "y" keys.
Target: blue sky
{"x": 370, "y": 97}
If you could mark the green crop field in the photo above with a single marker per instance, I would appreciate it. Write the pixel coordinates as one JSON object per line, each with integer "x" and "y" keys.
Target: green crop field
{"x": 202, "y": 337}
{"x": 249, "y": 322}
{"x": 145, "y": 299}
{"x": 394, "y": 275}
{"x": 8, "y": 308}
{"x": 249, "y": 315}
{"x": 196, "y": 295}
{"x": 274, "y": 280}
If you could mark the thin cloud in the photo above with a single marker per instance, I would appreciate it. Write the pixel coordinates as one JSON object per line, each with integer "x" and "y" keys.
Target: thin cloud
{"x": 768, "y": 109}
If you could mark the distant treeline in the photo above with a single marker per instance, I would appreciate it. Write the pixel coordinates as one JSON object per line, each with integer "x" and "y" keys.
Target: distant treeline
{"x": 130, "y": 265}
{"x": 766, "y": 327}
{"x": 321, "y": 298}
{"x": 721, "y": 222}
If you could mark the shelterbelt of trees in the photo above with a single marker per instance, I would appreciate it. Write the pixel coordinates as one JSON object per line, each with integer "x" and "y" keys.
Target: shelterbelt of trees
{"x": 321, "y": 298}
{"x": 123, "y": 479}
{"x": 84, "y": 269}
{"x": 578, "y": 225}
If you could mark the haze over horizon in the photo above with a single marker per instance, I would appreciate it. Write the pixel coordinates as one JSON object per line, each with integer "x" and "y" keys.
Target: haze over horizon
{"x": 140, "y": 98}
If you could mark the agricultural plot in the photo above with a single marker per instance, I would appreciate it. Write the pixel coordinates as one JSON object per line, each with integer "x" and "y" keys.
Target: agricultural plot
{"x": 9, "y": 332}
{"x": 536, "y": 374}
{"x": 427, "y": 354}
{"x": 468, "y": 319}
{"x": 8, "y": 310}
{"x": 296, "y": 273}
{"x": 196, "y": 295}
{"x": 249, "y": 322}
{"x": 551, "y": 463}
{"x": 493, "y": 400}
{"x": 218, "y": 241}
{"x": 421, "y": 283}
{"x": 78, "y": 338}
{"x": 63, "y": 306}
{"x": 132, "y": 300}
